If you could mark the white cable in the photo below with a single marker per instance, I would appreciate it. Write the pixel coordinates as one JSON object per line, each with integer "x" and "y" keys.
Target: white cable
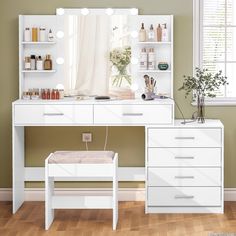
{"x": 106, "y": 137}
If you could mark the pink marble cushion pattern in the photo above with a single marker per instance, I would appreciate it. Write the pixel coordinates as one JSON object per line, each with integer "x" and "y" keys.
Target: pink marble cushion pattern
{"x": 81, "y": 157}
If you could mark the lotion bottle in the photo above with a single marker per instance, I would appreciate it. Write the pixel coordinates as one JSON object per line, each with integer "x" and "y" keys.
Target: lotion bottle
{"x": 151, "y": 34}
{"x": 143, "y": 59}
{"x": 165, "y": 36}
{"x": 159, "y": 33}
{"x": 142, "y": 34}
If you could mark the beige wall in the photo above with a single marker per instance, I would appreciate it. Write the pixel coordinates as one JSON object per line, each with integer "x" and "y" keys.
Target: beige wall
{"x": 129, "y": 142}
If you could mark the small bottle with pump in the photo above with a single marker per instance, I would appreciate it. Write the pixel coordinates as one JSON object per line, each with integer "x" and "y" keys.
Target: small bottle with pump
{"x": 165, "y": 35}
{"x": 151, "y": 34}
{"x": 50, "y": 36}
{"x": 159, "y": 33}
{"x": 39, "y": 63}
{"x": 142, "y": 34}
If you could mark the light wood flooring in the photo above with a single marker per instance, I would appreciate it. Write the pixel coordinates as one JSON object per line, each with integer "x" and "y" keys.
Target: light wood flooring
{"x": 29, "y": 220}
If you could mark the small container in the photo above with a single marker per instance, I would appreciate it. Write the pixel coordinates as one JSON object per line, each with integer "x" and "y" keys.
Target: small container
{"x": 151, "y": 34}
{"x": 27, "y": 37}
{"x": 42, "y": 34}
{"x": 48, "y": 95}
{"x": 50, "y": 36}
{"x": 53, "y": 94}
{"x": 32, "y": 62}
{"x": 142, "y": 34}
{"x": 159, "y": 33}
{"x": 47, "y": 63}
{"x": 151, "y": 59}
{"x": 163, "y": 66}
{"x": 43, "y": 94}
{"x": 39, "y": 63}
{"x": 143, "y": 59}
{"x": 61, "y": 93}
{"x": 35, "y": 95}
{"x": 57, "y": 94}
{"x": 34, "y": 34}
{"x": 27, "y": 65}
{"x": 26, "y": 96}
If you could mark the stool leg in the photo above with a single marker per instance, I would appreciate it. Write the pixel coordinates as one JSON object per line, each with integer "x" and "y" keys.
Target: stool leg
{"x": 49, "y": 191}
{"x": 115, "y": 194}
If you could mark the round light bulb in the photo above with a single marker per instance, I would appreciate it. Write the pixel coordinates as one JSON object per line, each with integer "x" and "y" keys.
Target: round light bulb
{"x": 134, "y": 11}
{"x": 134, "y": 60}
{"x": 109, "y": 11}
{"x": 60, "y": 87}
{"x": 134, "y": 87}
{"x": 60, "y": 60}
{"x": 134, "y": 34}
{"x": 84, "y": 11}
{"x": 60, "y": 11}
{"x": 60, "y": 34}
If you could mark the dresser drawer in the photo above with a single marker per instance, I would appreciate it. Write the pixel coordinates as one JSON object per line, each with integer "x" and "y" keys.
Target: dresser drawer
{"x": 186, "y": 157}
{"x": 184, "y": 177}
{"x": 183, "y": 137}
{"x": 184, "y": 196}
{"x": 133, "y": 114}
{"x": 53, "y": 114}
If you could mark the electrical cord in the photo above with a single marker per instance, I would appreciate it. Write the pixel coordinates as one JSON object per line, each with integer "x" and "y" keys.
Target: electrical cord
{"x": 106, "y": 138}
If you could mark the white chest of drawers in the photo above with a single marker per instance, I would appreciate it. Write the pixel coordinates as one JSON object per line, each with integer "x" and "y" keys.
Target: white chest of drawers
{"x": 184, "y": 168}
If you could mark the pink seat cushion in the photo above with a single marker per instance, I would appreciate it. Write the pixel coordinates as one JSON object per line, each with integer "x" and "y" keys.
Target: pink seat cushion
{"x": 82, "y": 157}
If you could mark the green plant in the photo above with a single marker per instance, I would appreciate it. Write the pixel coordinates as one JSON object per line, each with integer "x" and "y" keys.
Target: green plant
{"x": 203, "y": 83}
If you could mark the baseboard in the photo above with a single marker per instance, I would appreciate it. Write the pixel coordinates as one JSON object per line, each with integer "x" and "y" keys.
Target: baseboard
{"x": 125, "y": 194}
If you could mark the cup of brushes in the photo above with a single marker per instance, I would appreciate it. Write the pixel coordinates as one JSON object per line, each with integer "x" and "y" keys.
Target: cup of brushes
{"x": 150, "y": 85}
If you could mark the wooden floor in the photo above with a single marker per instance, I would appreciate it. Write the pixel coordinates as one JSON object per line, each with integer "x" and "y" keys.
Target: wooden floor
{"x": 29, "y": 220}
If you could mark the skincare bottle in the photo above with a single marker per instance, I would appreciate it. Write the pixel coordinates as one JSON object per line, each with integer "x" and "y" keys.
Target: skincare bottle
{"x": 50, "y": 36}
{"x": 27, "y": 63}
{"x": 34, "y": 34}
{"x": 143, "y": 59}
{"x": 48, "y": 94}
{"x": 42, "y": 34}
{"x": 39, "y": 63}
{"x": 151, "y": 34}
{"x": 27, "y": 35}
{"x": 159, "y": 33}
{"x": 47, "y": 63}
{"x": 142, "y": 34}
{"x": 151, "y": 59}
{"x": 165, "y": 36}
{"x": 32, "y": 62}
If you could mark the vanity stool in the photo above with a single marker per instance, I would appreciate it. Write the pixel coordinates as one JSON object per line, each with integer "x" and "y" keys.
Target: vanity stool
{"x": 80, "y": 164}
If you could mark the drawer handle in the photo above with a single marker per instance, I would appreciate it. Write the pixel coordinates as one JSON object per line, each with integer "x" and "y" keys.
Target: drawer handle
{"x": 185, "y": 138}
{"x": 53, "y": 114}
{"x": 184, "y": 197}
{"x": 184, "y": 157}
{"x": 184, "y": 177}
{"x": 132, "y": 114}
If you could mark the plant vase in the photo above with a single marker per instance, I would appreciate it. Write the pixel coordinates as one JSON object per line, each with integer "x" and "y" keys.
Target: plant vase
{"x": 201, "y": 109}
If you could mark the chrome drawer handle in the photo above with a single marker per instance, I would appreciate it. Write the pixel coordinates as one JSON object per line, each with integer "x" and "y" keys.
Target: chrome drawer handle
{"x": 184, "y": 157}
{"x": 132, "y": 114}
{"x": 184, "y": 137}
{"x": 184, "y": 177}
{"x": 183, "y": 197}
{"x": 53, "y": 114}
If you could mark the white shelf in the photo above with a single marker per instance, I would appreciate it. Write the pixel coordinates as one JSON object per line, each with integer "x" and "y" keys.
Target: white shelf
{"x": 154, "y": 71}
{"x": 38, "y": 71}
{"x": 38, "y": 43}
{"x": 155, "y": 43}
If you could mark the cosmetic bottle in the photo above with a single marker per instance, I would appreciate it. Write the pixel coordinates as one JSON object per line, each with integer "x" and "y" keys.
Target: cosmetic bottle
{"x": 151, "y": 59}
{"x": 42, "y": 34}
{"x": 143, "y": 59}
{"x": 48, "y": 63}
{"x": 57, "y": 94}
{"x": 26, "y": 96}
{"x": 142, "y": 34}
{"x": 50, "y": 36}
{"x": 48, "y": 95}
{"x": 32, "y": 62}
{"x": 165, "y": 36}
{"x": 27, "y": 35}
{"x": 39, "y": 63}
{"x": 34, "y": 34}
{"x": 61, "y": 93}
{"x": 159, "y": 33}
{"x": 27, "y": 63}
{"x": 151, "y": 34}
{"x": 43, "y": 94}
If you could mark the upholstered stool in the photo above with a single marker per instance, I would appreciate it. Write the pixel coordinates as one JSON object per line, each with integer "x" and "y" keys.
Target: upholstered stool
{"x": 80, "y": 164}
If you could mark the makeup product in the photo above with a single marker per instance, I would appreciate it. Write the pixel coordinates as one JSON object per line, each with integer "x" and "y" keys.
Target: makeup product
{"x": 61, "y": 93}
{"x": 47, "y": 63}
{"x": 159, "y": 33}
{"x": 151, "y": 59}
{"x": 26, "y": 96}
{"x": 43, "y": 94}
{"x": 35, "y": 95}
{"x": 151, "y": 34}
{"x": 50, "y": 36}
{"x": 163, "y": 66}
{"x": 165, "y": 35}
{"x": 39, "y": 63}
{"x": 27, "y": 37}
{"x": 57, "y": 94}
{"x": 32, "y": 62}
{"x": 142, "y": 34}
{"x": 42, "y": 34}
{"x": 143, "y": 59}
{"x": 34, "y": 34}
{"x": 27, "y": 65}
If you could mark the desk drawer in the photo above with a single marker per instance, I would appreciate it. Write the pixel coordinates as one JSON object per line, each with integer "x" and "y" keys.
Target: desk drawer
{"x": 53, "y": 114}
{"x": 184, "y": 177}
{"x": 210, "y": 137}
{"x": 184, "y": 157}
{"x": 133, "y": 114}
{"x": 184, "y": 196}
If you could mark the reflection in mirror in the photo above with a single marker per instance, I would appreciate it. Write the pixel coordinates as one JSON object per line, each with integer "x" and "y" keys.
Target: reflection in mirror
{"x": 97, "y": 53}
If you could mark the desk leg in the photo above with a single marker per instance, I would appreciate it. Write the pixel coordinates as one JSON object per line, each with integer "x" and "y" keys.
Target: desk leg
{"x": 18, "y": 163}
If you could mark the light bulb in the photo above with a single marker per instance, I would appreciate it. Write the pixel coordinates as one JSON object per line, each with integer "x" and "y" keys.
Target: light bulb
{"x": 60, "y": 34}
{"x": 60, "y": 60}
{"x": 134, "y": 34}
{"x": 134, "y": 61}
{"x": 134, "y": 11}
{"x": 109, "y": 11}
{"x": 134, "y": 87}
{"x": 60, "y": 11}
{"x": 84, "y": 11}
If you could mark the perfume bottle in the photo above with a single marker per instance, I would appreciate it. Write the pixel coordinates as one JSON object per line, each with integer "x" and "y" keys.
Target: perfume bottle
{"x": 48, "y": 63}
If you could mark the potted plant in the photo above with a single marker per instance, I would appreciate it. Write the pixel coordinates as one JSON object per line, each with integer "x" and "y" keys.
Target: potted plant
{"x": 203, "y": 84}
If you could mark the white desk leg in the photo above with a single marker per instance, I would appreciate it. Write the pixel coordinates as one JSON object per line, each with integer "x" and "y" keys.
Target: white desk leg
{"x": 115, "y": 193}
{"x": 18, "y": 166}
{"x": 49, "y": 191}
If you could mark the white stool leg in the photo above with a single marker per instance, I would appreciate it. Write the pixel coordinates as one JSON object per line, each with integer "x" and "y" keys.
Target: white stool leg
{"x": 49, "y": 191}
{"x": 115, "y": 193}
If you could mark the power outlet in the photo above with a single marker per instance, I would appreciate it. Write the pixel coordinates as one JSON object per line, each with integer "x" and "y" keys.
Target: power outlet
{"x": 86, "y": 137}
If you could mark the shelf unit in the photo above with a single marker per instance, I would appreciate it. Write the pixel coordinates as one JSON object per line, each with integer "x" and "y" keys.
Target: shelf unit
{"x": 38, "y": 71}
{"x": 38, "y": 43}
